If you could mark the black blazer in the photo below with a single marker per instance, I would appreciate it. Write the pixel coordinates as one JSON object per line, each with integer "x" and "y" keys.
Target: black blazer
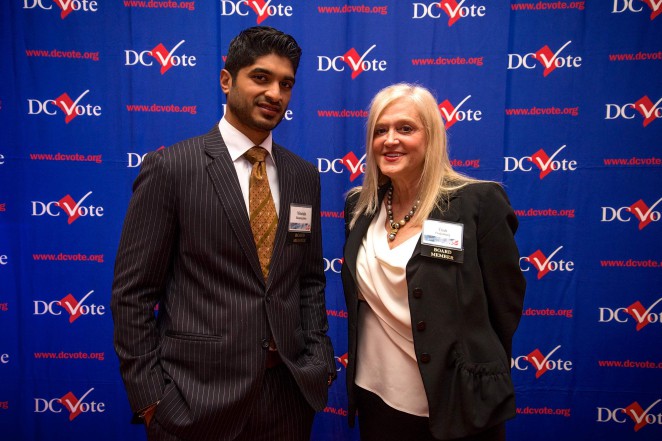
{"x": 463, "y": 315}
{"x": 187, "y": 245}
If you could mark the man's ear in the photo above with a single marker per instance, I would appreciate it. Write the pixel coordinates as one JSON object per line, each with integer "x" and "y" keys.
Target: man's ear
{"x": 226, "y": 81}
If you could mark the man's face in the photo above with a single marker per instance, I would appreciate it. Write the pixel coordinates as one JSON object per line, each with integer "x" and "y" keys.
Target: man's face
{"x": 257, "y": 99}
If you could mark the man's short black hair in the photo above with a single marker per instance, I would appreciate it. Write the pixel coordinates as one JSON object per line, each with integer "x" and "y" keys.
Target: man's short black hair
{"x": 259, "y": 41}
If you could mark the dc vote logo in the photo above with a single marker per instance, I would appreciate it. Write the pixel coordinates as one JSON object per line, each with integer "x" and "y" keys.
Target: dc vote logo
{"x": 349, "y": 162}
{"x": 634, "y": 413}
{"x": 357, "y": 63}
{"x": 452, "y": 114}
{"x": 136, "y": 159}
{"x": 69, "y": 402}
{"x": 541, "y": 363}
{"x": 165, "y": 59}
{"x": 545, "y": 265}
{"x": 641, "y": 315}
{"x": 72, "y": 210}
{"x": 66, "y": 6}
{"x": 453, "y": 10}
{"x": 540, "y": 159}
{"x": 638, "y": 211}
{"x": 342, "y": 361}
{"x": 548, "y": 59}
{"x": 71, "y": 109}
{"x": 333, "y": 265}
{"x": 621, "y": 6}
{"x": 644, "y": 106}
{"x": 69, "y": 304}
{"x": 263, "y": 9}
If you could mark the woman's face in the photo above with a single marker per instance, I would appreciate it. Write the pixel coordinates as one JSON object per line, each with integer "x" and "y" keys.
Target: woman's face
{"x": 399, "y": 142}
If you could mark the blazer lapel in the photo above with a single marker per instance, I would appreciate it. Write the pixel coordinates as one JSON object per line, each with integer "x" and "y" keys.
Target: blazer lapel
{"x": 224, "y": 178}
{"x": 286, "y": 185}
{"x": 357, "y": 234}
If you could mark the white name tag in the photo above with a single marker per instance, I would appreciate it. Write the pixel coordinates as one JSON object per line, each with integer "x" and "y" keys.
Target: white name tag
{"x": 442, "y": 234}
{"x": 442, "y": 240}
{"x": 301, "y": 218}
{"x": 300, "y": 223}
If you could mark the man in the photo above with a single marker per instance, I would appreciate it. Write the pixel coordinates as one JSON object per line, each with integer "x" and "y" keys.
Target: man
{"x": 239, "y": 349}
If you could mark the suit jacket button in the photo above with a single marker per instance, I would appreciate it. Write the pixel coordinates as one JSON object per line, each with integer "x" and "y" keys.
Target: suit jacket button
{"x": 425, "y": 357}
{"x": 268, "y": 299}
{"x": 420, "y": 326}
{"x": 265, "y": 343}
{"x": 418, "y": 293}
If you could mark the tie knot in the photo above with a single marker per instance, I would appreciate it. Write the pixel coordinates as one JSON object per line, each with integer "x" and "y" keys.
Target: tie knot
{"x": 256, "y": 154}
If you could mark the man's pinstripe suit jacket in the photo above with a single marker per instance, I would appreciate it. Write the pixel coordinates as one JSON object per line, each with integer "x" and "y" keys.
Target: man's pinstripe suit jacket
{"x": 187, "y": 245}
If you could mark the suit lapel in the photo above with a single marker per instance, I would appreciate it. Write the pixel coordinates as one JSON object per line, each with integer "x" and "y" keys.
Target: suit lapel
{"x": 226, "y": 184}
{"x": 286, "y": 186}
{"x": 357, "y": 234}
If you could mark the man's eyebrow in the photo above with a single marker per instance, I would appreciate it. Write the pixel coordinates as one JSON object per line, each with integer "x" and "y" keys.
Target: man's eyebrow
{"x": 268, "y": 72}
{"x": 261, "y": 70}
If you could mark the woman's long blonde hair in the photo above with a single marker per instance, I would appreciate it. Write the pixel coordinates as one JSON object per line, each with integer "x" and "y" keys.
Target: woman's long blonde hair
{"x": 438, "y": 179}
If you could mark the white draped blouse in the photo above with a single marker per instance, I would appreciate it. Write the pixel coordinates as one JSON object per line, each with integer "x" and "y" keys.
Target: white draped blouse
{"x": 386, "y": 360}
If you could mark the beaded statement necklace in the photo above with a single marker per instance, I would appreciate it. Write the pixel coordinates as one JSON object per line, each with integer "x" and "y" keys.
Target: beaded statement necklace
{"x": 395, "y": 226}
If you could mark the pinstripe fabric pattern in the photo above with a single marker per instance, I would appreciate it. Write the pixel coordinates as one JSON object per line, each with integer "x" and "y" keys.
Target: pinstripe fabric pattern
{"x": 187, "y": 245}
{"x": 281, "y": 412}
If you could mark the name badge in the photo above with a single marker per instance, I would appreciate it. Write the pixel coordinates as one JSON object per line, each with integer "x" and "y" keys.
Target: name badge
{"x": 299, "y": 226}
{"x": 442, "y": 240}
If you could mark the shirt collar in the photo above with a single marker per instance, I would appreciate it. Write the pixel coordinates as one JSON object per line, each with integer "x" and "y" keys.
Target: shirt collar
{"x": 238, "y": 143}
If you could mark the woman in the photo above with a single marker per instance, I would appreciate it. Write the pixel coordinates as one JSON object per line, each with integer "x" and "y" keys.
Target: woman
{"x": 432, "y": 284}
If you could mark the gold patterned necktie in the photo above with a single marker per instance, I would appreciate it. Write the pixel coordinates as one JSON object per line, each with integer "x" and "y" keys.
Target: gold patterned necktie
{"x": 261, "y": 206}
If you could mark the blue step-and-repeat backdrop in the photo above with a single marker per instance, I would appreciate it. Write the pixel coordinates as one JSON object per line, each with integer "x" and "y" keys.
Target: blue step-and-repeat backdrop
{"x": 559, "y": 100}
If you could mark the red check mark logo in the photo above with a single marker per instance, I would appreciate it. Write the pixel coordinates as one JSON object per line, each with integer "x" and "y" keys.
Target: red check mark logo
{"x": 343, "y": 359}
{"x": 452, "y": 9}
{"x": 541, "y": 262}
{"x": 66, "y": 6}
{"x": 539, "y": 361}
{"x": 638, "y": 414}
{"x": 72, "y": 404}
{"x": 68, "y": 106}
{"x": 450, "y": 113}
{"x": 353, "y": 164}
{"x": 548, "y": 58}
{"x": 640, "y": 314}
{"x": 643, "y": 213}
{"x": 544, "y": 162}
{"x": 73, "y": 306}
{"x": 354, "y": 61}
{"x": 161, "y": 54}
{"x": 647, "y": 109}
{"x": 70, "y": 207}
{"x": 655, "y": 7}
{"x": 261, "y": 9}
